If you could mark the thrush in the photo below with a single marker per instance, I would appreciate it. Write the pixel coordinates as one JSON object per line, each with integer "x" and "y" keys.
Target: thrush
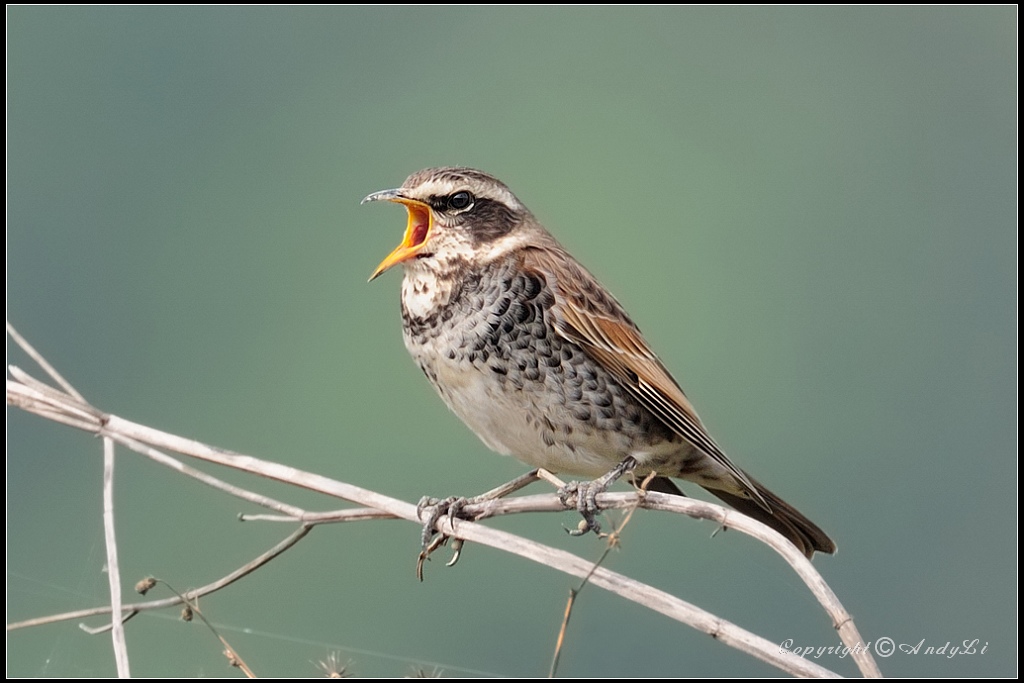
{"x": 540, "y": 360}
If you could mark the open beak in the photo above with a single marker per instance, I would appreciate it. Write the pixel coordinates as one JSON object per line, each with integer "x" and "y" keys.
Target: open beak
{"x": 417, "y": 232}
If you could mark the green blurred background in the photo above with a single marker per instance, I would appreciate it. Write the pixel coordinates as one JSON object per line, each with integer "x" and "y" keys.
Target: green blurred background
{"x": 811, "y": 213}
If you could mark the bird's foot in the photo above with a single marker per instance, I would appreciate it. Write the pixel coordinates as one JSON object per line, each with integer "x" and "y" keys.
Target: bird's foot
{"x": 584, "y": 495}
{"x": 435, "y": 509}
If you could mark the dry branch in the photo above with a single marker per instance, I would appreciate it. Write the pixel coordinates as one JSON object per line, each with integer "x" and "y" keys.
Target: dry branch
{"x": 33, "y": 396}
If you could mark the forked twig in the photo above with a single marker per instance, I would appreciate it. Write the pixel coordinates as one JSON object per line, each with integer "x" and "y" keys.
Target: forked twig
{"x": 191, "y": 609}
{"x": 134, "y": 607}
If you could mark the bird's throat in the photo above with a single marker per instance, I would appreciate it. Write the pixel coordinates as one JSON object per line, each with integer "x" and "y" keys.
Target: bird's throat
{"x": 424, "y": 292}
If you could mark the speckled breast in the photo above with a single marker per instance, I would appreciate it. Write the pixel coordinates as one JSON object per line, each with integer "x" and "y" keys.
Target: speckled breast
{"x": 488, "y": 345}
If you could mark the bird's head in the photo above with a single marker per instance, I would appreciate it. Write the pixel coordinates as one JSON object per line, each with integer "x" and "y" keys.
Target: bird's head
{"x": 455, "y": 213}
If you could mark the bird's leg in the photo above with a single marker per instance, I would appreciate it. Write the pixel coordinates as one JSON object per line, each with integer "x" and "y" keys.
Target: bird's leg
{"x": 452, "y": 508}
{"x": 586, "y": 493}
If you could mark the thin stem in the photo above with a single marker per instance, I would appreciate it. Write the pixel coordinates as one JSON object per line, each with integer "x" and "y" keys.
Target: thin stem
{"x": 113, "y": 568}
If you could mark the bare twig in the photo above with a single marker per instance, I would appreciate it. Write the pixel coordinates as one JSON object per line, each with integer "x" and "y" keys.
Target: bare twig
{"x": 38, "y": 358}
{"x": 332, "y": 517}
{"x": 95, "y": 631}
{"x": 113, "y": 568}
{"x": 612, "y": 540}
{"x": 192, "y": 605}
{"x": 295, "y": 513}
{"x": 560, "y": 640}
{"x": 193, "y": 594}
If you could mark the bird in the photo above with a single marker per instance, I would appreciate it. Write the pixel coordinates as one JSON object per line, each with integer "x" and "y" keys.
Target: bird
{"x": 538, "y": 359}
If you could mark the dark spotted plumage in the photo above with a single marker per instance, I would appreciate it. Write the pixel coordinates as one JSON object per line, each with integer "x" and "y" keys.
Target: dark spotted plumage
{"x": 538, "y": 359}
{"x": 505, "y": 330}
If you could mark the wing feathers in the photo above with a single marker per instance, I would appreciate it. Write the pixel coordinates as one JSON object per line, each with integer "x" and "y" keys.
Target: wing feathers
{"x": 605, "y": 332}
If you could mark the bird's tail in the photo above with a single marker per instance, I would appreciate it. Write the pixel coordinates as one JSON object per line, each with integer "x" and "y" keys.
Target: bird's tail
{"x": 783, "y": 517}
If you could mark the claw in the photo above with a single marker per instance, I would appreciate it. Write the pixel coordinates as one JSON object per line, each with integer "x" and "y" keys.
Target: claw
{"x": 425, "y": 554}
{"x": 456, "y": 552}
{"x": 455, "y": 506}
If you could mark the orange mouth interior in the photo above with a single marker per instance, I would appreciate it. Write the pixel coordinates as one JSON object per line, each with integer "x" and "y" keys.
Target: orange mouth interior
{"x": 417, "y": 232}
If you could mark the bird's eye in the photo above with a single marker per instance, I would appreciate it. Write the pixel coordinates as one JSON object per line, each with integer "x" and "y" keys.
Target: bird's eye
{"x": 460, "y": 201}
